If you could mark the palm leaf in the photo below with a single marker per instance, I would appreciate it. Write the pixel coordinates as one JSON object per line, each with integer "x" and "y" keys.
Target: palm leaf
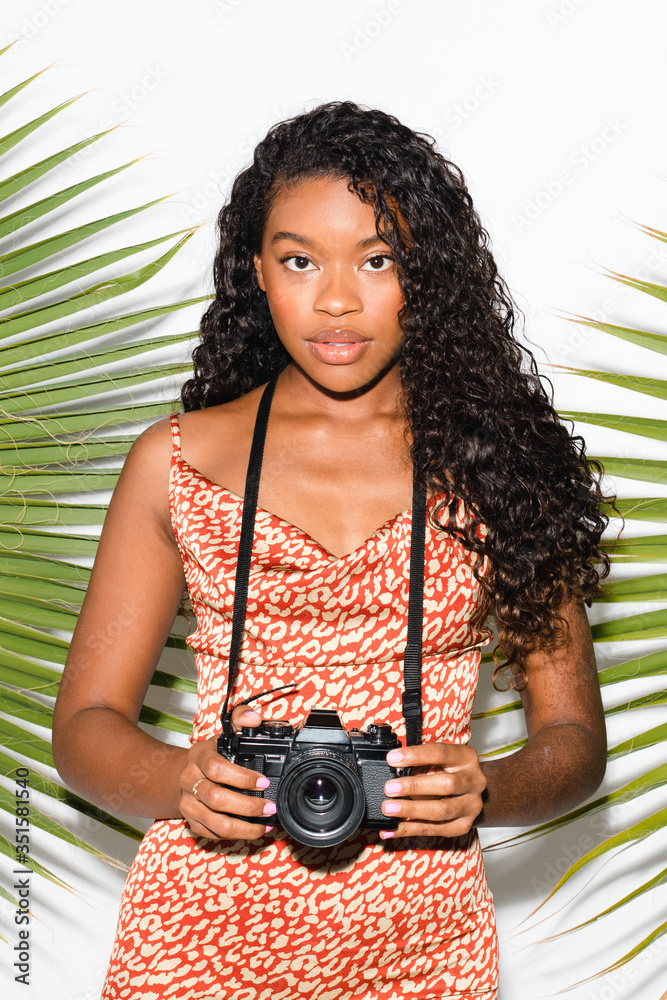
{"x": 9, "y": 851}
{"x": 22, "y": 217}
{"x": 18, "y": 181}
{"x": 12, "y": 139}
{"x": 7, "y": 96}
{"x": 634, "y": 952}
{"x": 91, "y": 296}
{"x": 655, "y": 778}
{"x": 52, "y": 826}
{"x": 41, "y": 784}
{"x": 636, "y": 832}
{"x": 34, "y": 540}
{"x": 656, "y": 342}
{"x": 641, "y": 548}
{"x": 39, "y": 345}
{"x": 643, "y": 426}
{"x": 648, "y": 287}
{"x": 47, "y": 249}
{"x": 64, "y": 390}
{"x": 637, "y": 383}
{"x": 20, "y": 292}
{"x": 55, "y": 426}
{"x": 646, "y": 469}
{"x": 645, "y": 626}
{"x": 84, "y": 361}
{"x": 653, "y": 883}
{"x": 643, "y": 508}
{"x": 658, "y": 734}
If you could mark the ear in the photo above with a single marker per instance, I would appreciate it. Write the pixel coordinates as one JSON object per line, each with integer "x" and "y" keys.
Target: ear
{"x": 258, "y": 270}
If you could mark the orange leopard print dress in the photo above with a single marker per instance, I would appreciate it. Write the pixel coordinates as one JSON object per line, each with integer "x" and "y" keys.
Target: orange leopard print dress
{"x": 271, "y": 919}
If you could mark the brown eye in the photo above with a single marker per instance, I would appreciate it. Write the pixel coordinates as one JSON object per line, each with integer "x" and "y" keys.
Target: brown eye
{"x": 297, "y": 263}
{"x": 379, "y": 262}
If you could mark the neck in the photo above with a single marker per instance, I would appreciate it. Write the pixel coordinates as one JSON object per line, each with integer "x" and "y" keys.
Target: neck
{"x": 380, "y": 398}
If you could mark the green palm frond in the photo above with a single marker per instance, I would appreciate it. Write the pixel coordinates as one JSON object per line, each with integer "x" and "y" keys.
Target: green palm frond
{"x": 648, "y": 625}
{"x": 655, "y": 778}
{"x": 55, "y": 426}
{"x": 636, "y": 832}
{"x": 642, "y": 548}
{"x": 642, "y": 426}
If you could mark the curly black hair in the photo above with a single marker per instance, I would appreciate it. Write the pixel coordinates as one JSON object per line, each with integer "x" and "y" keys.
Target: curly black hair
{"x": 484, "y": 429}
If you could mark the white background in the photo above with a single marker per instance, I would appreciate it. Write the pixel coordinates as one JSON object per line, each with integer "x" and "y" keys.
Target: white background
{"x": 554, "y": 109}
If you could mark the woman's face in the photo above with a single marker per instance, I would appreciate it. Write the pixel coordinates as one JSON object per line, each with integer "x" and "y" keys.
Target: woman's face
{"x": 331, "y": 284}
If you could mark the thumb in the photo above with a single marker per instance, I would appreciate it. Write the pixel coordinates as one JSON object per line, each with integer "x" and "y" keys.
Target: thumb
{"x": 245, "y": 716}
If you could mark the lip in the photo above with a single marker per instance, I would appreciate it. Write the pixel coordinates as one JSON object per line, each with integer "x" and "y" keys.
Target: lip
{"x": 338, "y": 345}
{"x": 344, "y": 352}
{"x": 338, "y": 335}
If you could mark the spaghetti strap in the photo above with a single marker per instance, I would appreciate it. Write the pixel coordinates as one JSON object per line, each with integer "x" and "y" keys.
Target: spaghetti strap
{"x": 175, "y": 436}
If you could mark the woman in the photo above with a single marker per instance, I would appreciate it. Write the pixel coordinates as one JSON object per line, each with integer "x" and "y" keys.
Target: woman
{"x": 352, "y": 269}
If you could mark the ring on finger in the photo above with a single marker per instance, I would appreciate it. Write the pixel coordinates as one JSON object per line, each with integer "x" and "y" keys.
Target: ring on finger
{"x": 194, "y": 788}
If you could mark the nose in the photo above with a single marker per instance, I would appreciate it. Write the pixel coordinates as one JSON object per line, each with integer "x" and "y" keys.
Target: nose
{"x": 337, "y": 292}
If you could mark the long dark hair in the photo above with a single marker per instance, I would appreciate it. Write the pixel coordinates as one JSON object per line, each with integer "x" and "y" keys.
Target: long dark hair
{"x": 484, "y": 429}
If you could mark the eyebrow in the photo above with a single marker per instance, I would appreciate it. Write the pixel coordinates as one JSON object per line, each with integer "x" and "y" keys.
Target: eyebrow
{"x": 286, "y": 235}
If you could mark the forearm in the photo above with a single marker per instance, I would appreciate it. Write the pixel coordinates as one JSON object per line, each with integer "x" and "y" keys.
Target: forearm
{"x": 558, "y": 768}
{"x": 117, "y": 766}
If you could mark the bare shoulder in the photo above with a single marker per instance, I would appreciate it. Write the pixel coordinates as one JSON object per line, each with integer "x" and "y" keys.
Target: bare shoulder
{"x": 216, "y": 440}
{"x": 145, "y": 474}
{"x": 223, "y": 419}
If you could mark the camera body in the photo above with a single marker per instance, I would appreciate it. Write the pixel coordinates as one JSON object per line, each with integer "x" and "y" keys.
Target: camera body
{"x": 326, "y": 781}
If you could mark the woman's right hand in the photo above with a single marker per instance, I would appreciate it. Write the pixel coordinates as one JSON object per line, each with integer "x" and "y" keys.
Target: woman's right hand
{"x": 208, "y": 813}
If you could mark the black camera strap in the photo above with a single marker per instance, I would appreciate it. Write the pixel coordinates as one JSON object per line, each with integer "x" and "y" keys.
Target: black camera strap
{"x": 412, "y": 709}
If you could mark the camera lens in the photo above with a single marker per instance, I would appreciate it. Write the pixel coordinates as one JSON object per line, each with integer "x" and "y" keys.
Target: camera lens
{"x": 320, "y": 799}
{"x": 320, "y": 793}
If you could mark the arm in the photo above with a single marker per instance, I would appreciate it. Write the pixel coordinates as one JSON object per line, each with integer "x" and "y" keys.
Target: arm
{"x": 562, "y": 763}
{"x": 565, "y": 757}
{"x": 134, "y": 592}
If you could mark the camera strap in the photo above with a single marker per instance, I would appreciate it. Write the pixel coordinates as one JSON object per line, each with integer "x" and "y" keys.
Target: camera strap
{"x": 411, "y": 705}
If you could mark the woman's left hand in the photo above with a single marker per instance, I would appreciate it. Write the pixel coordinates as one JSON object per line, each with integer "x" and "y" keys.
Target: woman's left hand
{"x": 443, "y": 796}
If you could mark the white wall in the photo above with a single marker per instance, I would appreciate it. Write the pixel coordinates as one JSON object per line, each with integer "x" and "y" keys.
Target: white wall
{"x": 555, "y": 111}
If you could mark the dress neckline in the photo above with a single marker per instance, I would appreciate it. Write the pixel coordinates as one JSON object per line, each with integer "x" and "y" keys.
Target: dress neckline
{"x": 301, "y": 531}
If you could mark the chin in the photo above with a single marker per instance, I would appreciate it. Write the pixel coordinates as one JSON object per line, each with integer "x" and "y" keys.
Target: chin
{"x": 344, "y": 378}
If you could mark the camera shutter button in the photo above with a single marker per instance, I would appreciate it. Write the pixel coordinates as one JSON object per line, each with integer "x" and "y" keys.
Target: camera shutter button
{"x": 379, "y": 732}
{"x": 277, "y": 728}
